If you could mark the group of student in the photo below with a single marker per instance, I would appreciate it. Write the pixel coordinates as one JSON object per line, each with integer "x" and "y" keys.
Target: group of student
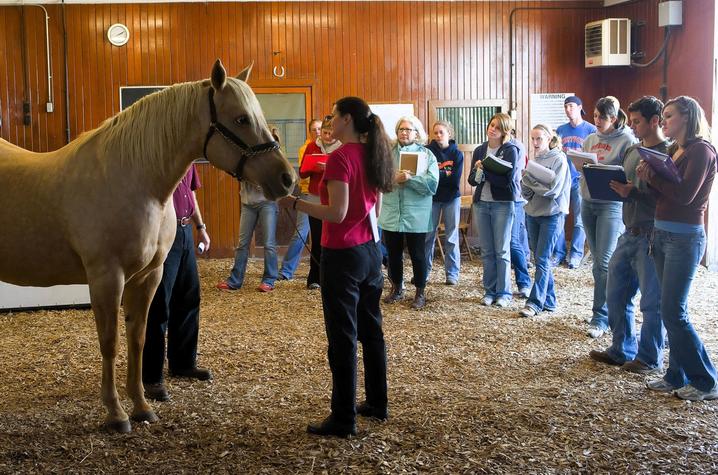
{"x": 650, "y": 239}
{"x": 652, "y": 242}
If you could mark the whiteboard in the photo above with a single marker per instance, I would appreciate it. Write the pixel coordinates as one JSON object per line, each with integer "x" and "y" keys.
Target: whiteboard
{"x": 390, "y": 114}
{"x": 17, "y": 297}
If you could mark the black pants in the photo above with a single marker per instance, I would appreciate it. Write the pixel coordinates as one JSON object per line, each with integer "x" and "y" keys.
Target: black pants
{"x": 174, "y": 311}
{"x": 416, "y": 244}
{"x": 315, "y": 227}
{"x": 352, "y": 283}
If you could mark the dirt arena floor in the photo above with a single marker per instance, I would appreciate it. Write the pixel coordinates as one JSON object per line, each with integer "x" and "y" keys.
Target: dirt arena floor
{"x": 472, "y": 390}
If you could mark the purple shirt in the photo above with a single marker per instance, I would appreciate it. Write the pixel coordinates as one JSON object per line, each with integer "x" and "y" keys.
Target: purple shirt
{"x": 182, "y": 197}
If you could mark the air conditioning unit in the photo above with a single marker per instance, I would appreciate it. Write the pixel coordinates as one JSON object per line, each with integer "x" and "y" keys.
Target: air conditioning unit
{"x": 608, "y": 43}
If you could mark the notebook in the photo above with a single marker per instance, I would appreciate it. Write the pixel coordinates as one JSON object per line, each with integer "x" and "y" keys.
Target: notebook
{"x": 661, "y": 163}
{"x": 496, "y": 165}
{"x": 540, "y": 173}
{"x": 598, "y": 177}
{"x": 415, "y": 163}
{"x": 310, "y": 161}
{"x": 579, "y": 158}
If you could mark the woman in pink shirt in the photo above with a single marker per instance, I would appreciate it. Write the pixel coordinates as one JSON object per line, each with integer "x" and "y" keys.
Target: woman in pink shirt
{"x": 350, "y": 270}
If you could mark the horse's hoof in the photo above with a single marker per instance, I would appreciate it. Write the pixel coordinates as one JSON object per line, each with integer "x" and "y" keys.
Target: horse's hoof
{"x": 145, "y": 416}
{"x": 121, "y": 427}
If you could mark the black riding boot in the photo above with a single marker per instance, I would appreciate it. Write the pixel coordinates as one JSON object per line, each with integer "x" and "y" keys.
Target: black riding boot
{"x": 419, "y": 299}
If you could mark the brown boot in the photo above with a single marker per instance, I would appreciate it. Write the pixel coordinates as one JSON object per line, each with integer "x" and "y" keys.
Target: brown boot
{"x": 419, "y": 299}
{"x": 396, "y": 294}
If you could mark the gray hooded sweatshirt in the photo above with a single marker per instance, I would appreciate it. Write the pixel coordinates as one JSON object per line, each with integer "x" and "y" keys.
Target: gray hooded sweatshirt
{"x": 610, "y": 149}
{"x": 547, "y": 200}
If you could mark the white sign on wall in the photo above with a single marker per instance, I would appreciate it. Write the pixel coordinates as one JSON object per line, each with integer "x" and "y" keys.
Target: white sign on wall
{"x": 390, "y": 114}
{"x": 547, "y": 109}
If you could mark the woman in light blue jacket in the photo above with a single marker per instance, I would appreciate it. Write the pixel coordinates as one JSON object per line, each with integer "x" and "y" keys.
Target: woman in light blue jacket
{"x": 547, "y": 204}
{"x": 406, "y": 211}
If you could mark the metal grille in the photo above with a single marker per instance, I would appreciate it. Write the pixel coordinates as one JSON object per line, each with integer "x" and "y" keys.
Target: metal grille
{"x": 469, "y": 122}
{"x": 594, "y": 40}
{"x": 291, "y": 136}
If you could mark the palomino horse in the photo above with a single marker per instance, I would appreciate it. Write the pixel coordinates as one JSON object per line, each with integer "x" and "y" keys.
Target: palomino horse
{"x": 98, "y": 211}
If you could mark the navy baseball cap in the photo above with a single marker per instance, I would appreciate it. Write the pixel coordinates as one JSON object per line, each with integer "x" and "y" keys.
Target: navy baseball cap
{"x": 576, "y": 100}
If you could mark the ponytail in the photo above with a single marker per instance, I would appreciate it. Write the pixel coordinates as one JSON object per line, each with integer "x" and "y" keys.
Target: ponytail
{"x": 553, "y": 141}
{"x": 379, "y": 164}
{"x": 609, "y": 106}
{"x": 621, "y": 119}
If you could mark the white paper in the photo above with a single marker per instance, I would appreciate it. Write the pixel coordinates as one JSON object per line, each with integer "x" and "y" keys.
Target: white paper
{"x": 580, "y": 158}
{"x": 374, "y": 224}
{"x": 542, "y": 174}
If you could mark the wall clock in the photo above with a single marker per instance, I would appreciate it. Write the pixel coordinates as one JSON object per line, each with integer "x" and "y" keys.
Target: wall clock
{"x": 118, "y": 34}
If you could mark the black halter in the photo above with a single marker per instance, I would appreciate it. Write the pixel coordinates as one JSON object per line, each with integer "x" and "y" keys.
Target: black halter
{"x": 245, "y": 150}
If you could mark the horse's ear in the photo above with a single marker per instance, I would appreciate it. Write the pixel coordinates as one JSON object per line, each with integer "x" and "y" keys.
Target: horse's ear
{"x": 219, "y": 75}
{"x": 244, "y": 75}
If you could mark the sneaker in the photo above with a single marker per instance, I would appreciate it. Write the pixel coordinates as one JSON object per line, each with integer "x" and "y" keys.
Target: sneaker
{"x": 487, "y": 300}
{"x": 502, "y": 302}
{"x": 574, "y": 263}
{"x": 636, "y": 366}
{"x": 524, "y": 292}
{"x": 313, "y": 286}
{"x": 225, "y": 287}
{"x": 528, "y": 312}
{"x": 594, "y": 331}
{"x": 660, "y": 385}
{"x": 282, "y": 277}
{"x": 691, "y": 393}
{"x": 451, "y": 281}
{"x": 604, "y": 357}
{"x": 265, "y": 287}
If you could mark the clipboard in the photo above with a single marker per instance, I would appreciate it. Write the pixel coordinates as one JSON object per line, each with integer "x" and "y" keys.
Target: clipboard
{"x": 599, "y": 176}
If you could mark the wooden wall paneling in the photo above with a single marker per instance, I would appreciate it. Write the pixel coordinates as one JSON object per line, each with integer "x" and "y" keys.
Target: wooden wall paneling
{"x": 382, "y": 51}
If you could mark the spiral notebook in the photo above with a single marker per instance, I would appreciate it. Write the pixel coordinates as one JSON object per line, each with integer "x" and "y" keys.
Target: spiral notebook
{"x": 496, "y": 165}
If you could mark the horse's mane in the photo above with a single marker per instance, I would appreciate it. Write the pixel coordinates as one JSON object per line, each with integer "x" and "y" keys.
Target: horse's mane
{"x": 150, "y": 130}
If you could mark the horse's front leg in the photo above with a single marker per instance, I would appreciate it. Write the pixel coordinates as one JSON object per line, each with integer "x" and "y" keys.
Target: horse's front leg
{"x": 138, "y": 296}
{"x": 105, "y": 294}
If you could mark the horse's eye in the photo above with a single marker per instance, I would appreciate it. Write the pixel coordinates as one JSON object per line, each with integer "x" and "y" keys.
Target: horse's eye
{"x": 242, "y": 120}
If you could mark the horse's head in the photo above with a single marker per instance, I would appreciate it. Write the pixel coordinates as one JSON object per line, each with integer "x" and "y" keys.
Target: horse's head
{"x": 239, "y": 141}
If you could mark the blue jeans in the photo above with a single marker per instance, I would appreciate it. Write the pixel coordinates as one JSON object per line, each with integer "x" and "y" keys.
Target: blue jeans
{"x": 604, "y": 223}
{"x": 451, "y": 212}
{"x": 520, "y": 252}
{"x": 266, "y": 214}
{"x": 494, "y": 220}
{"x": 543, "y": 232}
{"x": 676, "y": 257}
{"x": 296, "y": 245}
{"x": 578, "y": 237}
{"x": 632, "y": 268}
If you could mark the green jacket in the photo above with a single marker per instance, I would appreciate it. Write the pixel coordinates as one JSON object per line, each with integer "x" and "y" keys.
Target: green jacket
{"x": 407, "y": 209}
